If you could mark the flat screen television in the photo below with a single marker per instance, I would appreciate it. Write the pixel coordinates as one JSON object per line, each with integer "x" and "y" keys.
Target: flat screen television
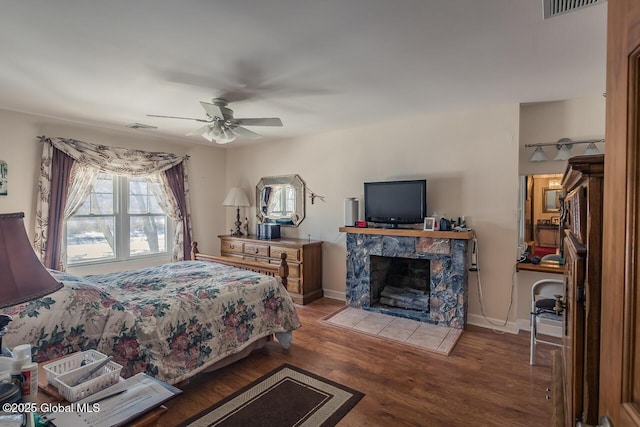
{"x": 395, "y": 202}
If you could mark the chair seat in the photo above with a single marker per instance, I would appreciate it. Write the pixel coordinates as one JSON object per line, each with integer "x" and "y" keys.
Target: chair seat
{"x": 545, "y": 304}
{"x": 549, "y": 316}
{"x": 542, "y": 310}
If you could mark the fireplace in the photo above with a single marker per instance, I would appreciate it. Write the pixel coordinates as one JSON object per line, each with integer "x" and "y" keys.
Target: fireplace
{"x": 436, "y": 259}
{"x": 400, "y": 282}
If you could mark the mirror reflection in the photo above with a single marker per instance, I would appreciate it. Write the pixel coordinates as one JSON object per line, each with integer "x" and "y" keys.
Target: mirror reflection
{"x": 540, "y": 209}
{"x": 551, "y": 200}
{"x": 280, "y": 200}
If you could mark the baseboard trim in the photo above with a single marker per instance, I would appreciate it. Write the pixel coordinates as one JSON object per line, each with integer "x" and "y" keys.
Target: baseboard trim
{"x": 478, "y": 320}
{"x": 340, "y": 296}
{"x": 543, "y": 328}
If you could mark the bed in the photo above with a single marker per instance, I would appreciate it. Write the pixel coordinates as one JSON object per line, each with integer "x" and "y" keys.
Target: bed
{"x": 171, "y": 321}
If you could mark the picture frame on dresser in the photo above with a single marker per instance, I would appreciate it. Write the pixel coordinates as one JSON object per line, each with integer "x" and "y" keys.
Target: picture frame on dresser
{"x": 429, "y": 224}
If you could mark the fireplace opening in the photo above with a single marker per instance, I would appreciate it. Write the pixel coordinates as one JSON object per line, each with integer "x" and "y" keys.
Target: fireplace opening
{"x": 402, "y": 283}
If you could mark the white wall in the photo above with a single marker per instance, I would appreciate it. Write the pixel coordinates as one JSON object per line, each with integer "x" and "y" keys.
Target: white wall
{"x": 470, "y": 161}
{"x": 578, "y": 119}
{"x": 21, "y": 149}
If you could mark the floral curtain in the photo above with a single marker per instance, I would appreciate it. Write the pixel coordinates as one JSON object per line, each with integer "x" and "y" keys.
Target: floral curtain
{"x": 167, "y": 187}
{"x": 88, "y": 161}
{"x": 116, "y": 160}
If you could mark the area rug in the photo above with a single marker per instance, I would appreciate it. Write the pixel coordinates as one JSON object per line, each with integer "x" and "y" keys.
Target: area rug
{"x": 418, "y": 335}
{"x": 286, "y": 396}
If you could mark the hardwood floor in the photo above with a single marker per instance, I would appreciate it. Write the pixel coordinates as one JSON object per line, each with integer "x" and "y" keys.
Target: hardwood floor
{"x": 486, "y": 381}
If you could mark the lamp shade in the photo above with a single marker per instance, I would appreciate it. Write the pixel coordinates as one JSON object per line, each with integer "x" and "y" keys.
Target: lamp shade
{"x": 564, "y": 152}
{"x": 228, "y": 136}
{"x": 591, "y": 149}
{"x": 236, "y": 197}
{"x": 24, "y": 278}
{"x": 538, "y": 155}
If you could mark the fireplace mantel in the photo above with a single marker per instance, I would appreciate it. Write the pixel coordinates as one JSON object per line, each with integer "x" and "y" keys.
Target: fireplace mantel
{"x": 409, "y": 232}
{"x": 447, "y": 252}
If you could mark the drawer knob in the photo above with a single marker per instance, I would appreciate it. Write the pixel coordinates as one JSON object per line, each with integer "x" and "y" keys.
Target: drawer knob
{"x": 257, "y": 250}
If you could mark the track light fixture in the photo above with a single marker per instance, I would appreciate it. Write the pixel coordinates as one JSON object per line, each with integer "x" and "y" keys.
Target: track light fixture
{"x": 563, "y": 146}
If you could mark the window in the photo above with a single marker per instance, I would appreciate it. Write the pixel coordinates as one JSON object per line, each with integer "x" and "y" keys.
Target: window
{"x": 282, "y": 201}
{"x": 120, "y": 220}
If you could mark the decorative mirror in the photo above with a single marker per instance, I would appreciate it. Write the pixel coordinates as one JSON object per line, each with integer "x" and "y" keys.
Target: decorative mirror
{"x": 280, "y": 200}
{"x": 551, "y": 199}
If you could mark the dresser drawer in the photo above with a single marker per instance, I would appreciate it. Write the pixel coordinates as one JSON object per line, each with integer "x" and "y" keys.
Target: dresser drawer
{"x": 293, "y": 254}
{"x": 294, "y": 269}
{"x": 234, "y": 246}
{"x": 257, "y": 250}
{"x": 293, "y": 285}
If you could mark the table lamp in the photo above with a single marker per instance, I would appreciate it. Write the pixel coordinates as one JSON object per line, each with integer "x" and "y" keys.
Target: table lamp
{"x": 24, "y": 278}
{"x": 236, "y": 197}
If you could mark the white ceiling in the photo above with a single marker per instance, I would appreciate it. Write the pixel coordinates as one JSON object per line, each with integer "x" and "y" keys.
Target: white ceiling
{"x": 318, "y": 65}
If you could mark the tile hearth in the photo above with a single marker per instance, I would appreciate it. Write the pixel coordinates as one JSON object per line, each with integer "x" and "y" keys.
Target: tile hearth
{"x": 434, "y": 338}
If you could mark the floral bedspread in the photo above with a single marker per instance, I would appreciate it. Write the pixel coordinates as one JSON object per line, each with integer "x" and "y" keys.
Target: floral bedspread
{"x": 170, "y": 321}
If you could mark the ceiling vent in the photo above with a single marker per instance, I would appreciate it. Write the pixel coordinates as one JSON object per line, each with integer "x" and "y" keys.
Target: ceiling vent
{"x": 558, "y": 7}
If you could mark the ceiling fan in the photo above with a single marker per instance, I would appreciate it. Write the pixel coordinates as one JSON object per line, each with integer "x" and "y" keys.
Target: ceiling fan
{"x": 221, "y": 127}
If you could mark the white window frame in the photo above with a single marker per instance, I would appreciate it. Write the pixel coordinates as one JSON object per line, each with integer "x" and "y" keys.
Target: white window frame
{"x": 122, "y": 231}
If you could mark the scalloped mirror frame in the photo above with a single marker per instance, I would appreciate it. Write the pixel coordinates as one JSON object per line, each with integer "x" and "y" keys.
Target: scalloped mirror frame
{"x": 291, "y": 218}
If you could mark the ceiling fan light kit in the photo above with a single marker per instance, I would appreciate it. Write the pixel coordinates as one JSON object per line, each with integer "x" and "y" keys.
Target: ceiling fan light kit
{"x": 222, "y": 127}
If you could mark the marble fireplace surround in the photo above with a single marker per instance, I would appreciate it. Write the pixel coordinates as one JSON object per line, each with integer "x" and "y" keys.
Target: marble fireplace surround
{"x": 447, "y": 253}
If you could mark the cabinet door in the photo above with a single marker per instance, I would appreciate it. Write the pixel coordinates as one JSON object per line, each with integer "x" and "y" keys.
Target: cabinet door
{"x": 620, "y": 346}
{"x": 573, "y": 331}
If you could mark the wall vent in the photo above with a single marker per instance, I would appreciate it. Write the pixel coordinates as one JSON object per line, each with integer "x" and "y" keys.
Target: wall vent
{"x": 558, "y": 7}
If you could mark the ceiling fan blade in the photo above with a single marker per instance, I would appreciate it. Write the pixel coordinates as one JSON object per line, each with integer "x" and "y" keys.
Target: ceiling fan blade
{"x": 175, "y": 117}
{"x": 273, "y": 121}
{"x": 199, "y": 131}
{"x": 239, "y": 130}
{"x": 217, "y": 111}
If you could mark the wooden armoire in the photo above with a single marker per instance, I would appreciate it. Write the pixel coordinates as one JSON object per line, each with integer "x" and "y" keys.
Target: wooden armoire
{"x": 576, "y": 369}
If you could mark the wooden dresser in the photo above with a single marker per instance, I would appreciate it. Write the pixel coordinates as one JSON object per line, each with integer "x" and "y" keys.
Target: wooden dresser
{"x": 304, "y": 258}
{"x": 547, "y": 235}
{"x": 582, "y": 251}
